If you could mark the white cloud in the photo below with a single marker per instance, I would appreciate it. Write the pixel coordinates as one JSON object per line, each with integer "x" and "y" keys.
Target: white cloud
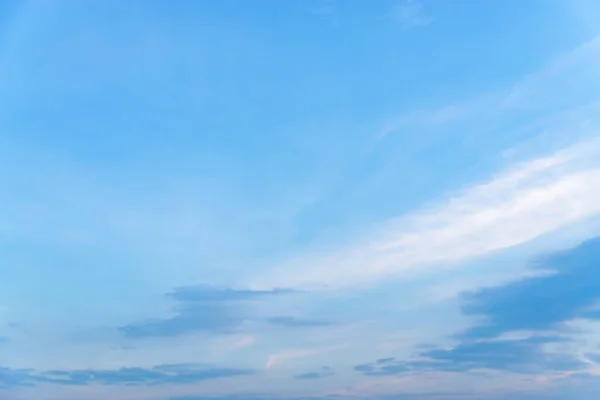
{"x": 525, "y": 201}
{"x": 563, "y": 81}
{"x": 520, "y": 204}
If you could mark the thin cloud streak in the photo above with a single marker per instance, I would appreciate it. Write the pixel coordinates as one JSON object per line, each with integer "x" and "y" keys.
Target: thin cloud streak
{"x": 565, "y": 84}
{"x": 523, "y": 203}
{"x": 294, "y": 354}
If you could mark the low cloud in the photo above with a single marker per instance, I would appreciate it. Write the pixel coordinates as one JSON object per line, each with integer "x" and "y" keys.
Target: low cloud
{"x": 322, "y": 373}
{"x": 158, "y": 375}
{"x": 519, "y": 321}
{"x": 202, "y": 309}
{"x": 214, "y": 310}
{"x": 292, "y": 322}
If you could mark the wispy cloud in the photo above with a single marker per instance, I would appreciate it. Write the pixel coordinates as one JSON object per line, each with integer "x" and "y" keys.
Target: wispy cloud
{"x": 203, "y": 309}
{"x": 565, "y": 82}
{"x": 322, "y": 373}
{"x": 158, "y": 375}
{"x": 293, "y": 322}
{"x": 294, "y": 354}
{"x": 563, "y": 94}
{"x": 537, "y": 195}
{"x": 217, "y": 311}
{"x": 242, "y": 342}
{"x": 540, "y": 193}
{"x": 518, "y": 205}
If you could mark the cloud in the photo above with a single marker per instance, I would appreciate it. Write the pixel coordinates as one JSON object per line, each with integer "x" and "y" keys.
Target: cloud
{"x": 15, "y": 378}
{"x": 565, "y": 394}
{"x": 565, "y": 88}
{"x": 540, "y": 303}
{"x": 522, "y": 203}
{"x": 215, "y": 310}
{"x": 158, "y": 375}
{"x": 242, "y": 342}
{"x": 294, "y": 354}
{"x": 387, "y": 366}
{"x": 248, "y": 396}
{"x": 292, "y": 322}
{"x": 519, "y": 321}
{"x": 573, "y": 77}
{"x": 309, "y": 375}
{"x": 323, "y": 373}
{"x": 411, "y": 13}
{"x": 594, "y": 357}
{"x": 203, "y": 309}
{"x": 521, "y": 356}
{"x": 403, "y": 396}
{"x": 213, "y": 294}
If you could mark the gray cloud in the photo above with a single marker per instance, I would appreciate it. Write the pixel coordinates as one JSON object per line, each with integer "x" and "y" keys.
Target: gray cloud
{"x": 214, "y": 310}
{"x": 540, "y": 304}
{"x": 158, "y": 375}
{"x": 292, "y": 322}
{"x": 203, "y": 309}
{"x": 322, "y": 373}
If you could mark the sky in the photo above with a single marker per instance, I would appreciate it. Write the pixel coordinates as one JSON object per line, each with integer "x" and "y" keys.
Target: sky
{"x": 299, "y": 199}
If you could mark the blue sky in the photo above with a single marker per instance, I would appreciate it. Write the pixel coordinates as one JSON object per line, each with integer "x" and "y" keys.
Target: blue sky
{"x": 303, "y": 199}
